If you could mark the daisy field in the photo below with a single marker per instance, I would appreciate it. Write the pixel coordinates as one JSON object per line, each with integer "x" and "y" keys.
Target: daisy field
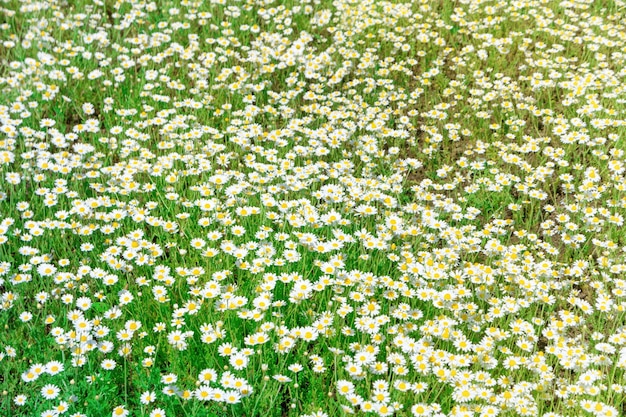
{"x": 312, "y": 208}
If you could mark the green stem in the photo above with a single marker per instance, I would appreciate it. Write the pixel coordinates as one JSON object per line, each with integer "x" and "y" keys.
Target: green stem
{"x": 125, "y": 381}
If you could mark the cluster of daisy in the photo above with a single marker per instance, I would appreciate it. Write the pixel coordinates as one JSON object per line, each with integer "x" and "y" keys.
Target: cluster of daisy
{"x": 313, "y": 207}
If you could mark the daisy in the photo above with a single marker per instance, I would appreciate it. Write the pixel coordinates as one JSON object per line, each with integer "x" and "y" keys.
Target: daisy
{"x": 158, "y": 412}
{"x": 25, "y": 317}
{"x": 217, "y": 394}
{"x": 232, "y": 397}
{"x": 54, "y": 367}
{"x": 345, "y": 387}
{"x": 282, "y": 378}
{"x": 421, "y": 410}
{"x": 46, "y": 269}
{"x": 50, "y": 391}
{"x": 207, "y": 376}
{"x": 239, "y": 360}
{"x": 147, "y": 397}
{"x": 62, "y": 407}
{"x": 20, "y": 399}
{"x": 197, "y": 243}
{"x": 120, "y": 411}
{"x": 227, "y": 349}
{"x": 169, "y": 379}
{"x": 295, "y": 367}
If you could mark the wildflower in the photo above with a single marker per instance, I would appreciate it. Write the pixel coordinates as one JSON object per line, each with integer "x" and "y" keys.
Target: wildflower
{"x": 147, "y": 397}
{"x": 108, "y": 364}
{"x": 169, "y": 379}
{"x": 46, "y": 269}
{"x": 239, "y": 360}
{"x": 207, "y": 376}
{"x": 158, "y": 412}
{"x": 419, "y": 410}
{"x": 232, "y": 397}
{"x": 86, "y": 247}
{"x": 62, "y": 407}
{"x": 54, "y": 367}
{"x": 25, "y": 317}
{"x": 345, "y": 387}
{"x": 204, "y": 393}
{"x": 226, "y": 349}
{"x": 50, "y": 392}
{"x": 217, "y": 394}
{"x": 197, "y": 243}
{"x": 295, "y": 367}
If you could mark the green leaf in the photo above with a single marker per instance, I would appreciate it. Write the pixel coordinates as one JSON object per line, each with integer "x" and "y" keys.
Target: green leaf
{"x": 100, "y": 307}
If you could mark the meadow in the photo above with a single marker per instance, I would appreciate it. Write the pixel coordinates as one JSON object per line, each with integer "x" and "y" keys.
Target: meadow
{"x": 312, "y": 208}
